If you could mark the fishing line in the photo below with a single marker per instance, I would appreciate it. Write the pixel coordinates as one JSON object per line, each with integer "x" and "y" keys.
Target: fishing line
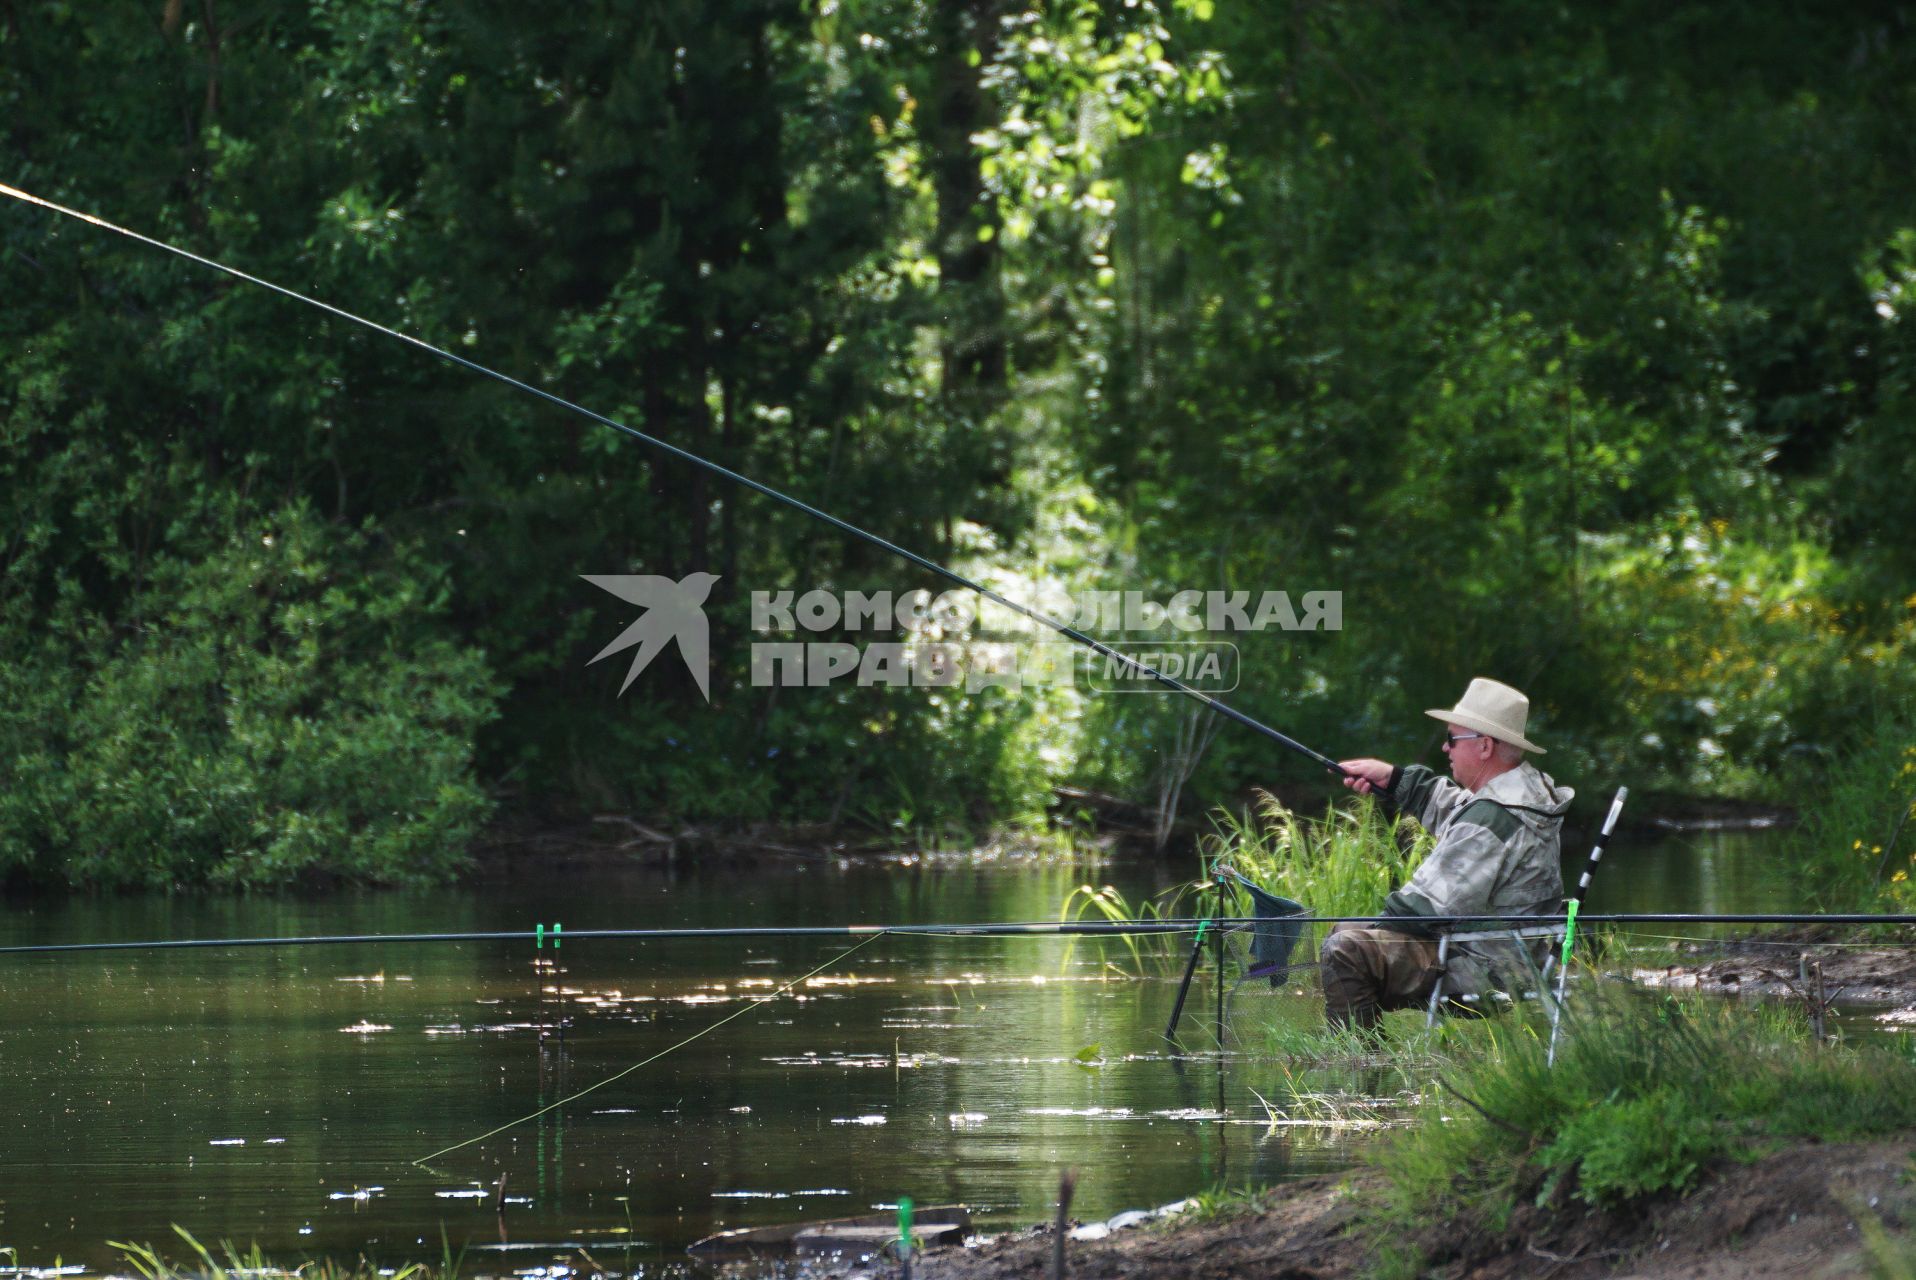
{"x": 1014, "y": 929}
{"x": 1037, "y": 929}
{"x": 752, "y": 1003}
{"x": 843, "y": 526}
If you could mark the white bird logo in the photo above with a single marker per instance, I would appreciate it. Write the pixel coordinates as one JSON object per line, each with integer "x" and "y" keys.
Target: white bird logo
{"x": 673, "y": 611}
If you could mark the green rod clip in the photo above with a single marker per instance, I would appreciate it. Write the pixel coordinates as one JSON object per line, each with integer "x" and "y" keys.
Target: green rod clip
{"x": 557, "y": 929}
{"x": 538, "y": 937}
{"x": 904, "y": 1229}
{"x": 1569, "y": 933}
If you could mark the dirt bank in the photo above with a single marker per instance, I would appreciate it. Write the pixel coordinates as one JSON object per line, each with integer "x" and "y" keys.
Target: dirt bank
{"x": 1801, "y": 1212}
{"x": 1855, "y": 970}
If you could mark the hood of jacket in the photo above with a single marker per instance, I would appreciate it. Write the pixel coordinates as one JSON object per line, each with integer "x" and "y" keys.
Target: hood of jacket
{"x": 1531, "y": 797}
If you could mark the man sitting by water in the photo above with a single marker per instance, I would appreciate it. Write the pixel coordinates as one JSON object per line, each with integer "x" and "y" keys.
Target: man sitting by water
{"x": 1498, "y": 853}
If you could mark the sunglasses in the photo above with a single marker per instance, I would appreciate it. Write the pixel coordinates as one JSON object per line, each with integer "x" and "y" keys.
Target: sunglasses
{"x": 1452, "y": 739}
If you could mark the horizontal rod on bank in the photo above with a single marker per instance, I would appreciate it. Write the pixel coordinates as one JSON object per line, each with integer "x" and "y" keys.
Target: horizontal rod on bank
{"x": 1037, "y": 928}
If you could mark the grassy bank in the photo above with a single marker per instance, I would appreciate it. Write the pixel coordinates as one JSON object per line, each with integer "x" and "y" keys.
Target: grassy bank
{"x": 1646, "y": 1099}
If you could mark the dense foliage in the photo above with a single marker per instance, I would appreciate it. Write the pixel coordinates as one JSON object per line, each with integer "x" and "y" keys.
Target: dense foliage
{"x": 1569, "y": 343}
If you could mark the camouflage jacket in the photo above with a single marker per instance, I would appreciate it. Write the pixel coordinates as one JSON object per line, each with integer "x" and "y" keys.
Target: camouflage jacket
{"x": 1498, "y": 852}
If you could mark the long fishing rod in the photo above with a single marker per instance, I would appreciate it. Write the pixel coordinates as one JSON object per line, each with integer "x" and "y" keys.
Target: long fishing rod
{"x": 1012, "y": 929}
{"x": 950, "y": 575}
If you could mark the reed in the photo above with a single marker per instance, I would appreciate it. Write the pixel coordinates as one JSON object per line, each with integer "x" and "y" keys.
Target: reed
{"x": 1342, "y": 864}
{"x": 1311, "y": 1042}
{"x": 232, "y": 1263}
{"x": 1147, "y": 953}
{"x": 1327, "y": 1107}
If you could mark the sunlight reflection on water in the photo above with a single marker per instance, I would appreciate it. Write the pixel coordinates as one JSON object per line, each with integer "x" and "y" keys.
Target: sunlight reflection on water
{"x": 950, "y": 1069}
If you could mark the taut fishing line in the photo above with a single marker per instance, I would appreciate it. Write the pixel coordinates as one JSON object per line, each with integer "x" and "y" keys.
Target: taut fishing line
{"x": 752, "y": 1003}
{"x": 993, "y": 929}
{"x": 844, "y": 526}
{"x": 990, "y": 929}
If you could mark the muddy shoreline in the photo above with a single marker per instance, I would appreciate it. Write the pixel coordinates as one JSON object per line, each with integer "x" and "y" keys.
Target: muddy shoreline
{"x": 1852, "y": 970}
{"x": 1803, "y": 1211}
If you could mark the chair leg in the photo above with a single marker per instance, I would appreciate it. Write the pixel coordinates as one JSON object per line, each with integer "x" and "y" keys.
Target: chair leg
{"x": 1556, "y": 1016}
{"x": 1437, "y": 990}
{"x": 1542, "y": 975}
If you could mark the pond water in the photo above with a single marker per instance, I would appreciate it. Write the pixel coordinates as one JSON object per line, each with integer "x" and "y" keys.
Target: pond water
{"x": 283, "y": 1096}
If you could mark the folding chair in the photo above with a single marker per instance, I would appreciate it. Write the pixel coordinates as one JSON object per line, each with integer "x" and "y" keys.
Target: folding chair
{"x": 1522, "y": 936}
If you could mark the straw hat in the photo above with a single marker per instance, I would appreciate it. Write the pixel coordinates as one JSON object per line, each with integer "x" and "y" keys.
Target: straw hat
{"x": 1493, "y": 709}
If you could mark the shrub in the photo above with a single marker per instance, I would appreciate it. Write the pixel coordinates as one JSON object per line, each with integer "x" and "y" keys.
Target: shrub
{"x": 284, "y": 709}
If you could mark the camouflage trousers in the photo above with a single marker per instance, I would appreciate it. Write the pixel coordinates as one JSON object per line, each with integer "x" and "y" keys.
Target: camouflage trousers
{"x": 1369, "y": 971}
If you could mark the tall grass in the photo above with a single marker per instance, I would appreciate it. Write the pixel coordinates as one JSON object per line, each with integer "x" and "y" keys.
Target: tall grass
{"x": 1858, "y": 834}
{"x": 1645, "y": 1097}
{"x": 1342, "y": 864}
{"x": 1146, "y": 952}
{"x": 231, "y": 1263}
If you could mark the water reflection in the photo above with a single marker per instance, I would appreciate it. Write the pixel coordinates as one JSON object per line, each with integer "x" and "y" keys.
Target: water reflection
{"x": 1702, "y": 872}
{"x": 282, "y": 1096}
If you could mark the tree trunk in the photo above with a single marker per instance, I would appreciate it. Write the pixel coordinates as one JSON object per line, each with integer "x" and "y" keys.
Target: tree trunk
{"x": 967, "y": 235}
